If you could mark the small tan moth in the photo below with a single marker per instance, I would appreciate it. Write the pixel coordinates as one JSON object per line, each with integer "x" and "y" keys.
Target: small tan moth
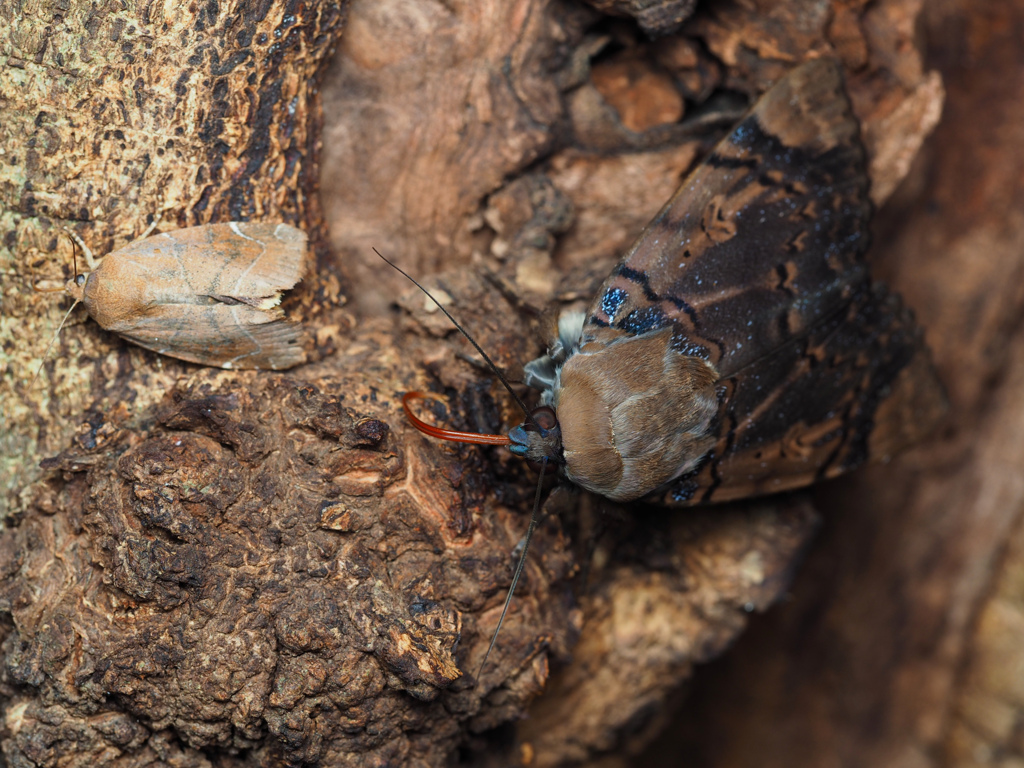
{"x": 208, "y": 294}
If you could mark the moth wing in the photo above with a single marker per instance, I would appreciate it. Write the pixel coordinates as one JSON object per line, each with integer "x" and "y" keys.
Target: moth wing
{"x": 245, "y": 261}
{"x": 859, "y": 384}
{"x": 762, "y": 241}
{"x": 206, "y": 294}
{"x": 757, "y": 265}
{"x": 218, "y": 334}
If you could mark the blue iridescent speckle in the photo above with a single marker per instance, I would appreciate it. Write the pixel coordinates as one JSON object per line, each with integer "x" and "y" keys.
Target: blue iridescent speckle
{"x": 643, "y": 320}
{"x": 684, "y": 346}
{"x": 612, "y": 300}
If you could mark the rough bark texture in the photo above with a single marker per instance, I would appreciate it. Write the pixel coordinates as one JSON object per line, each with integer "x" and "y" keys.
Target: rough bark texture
{"x": 656, "y": 17}
{"x": 612, "y": 173}
{"x": 250, "y": 569}
{"x": 111, "y": 116}
{"x": 298, "y": 600}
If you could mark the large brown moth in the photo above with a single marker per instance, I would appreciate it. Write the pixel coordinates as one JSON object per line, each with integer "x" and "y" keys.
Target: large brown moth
{"x": 206, "y": 294}
{"x": 740, "y": 346}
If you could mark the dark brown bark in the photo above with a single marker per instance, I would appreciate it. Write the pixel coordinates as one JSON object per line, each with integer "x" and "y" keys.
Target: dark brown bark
{"x": 615, "y": 179}
{"x": 256, "y": 568}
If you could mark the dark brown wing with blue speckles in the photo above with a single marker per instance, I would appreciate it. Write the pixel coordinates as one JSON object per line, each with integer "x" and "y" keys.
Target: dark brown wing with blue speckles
{"x": 757, "y": 265}
{"x": 859, "y": 385}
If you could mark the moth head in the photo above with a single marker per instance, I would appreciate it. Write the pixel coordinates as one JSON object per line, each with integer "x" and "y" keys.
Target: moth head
{"x": 75, "y": 287}
{"x": 539, "y": 437}
{"x": 536, "y": 439}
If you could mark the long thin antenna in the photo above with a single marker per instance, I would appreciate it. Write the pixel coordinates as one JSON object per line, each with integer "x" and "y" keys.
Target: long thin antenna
{"x": 472, "y": 341}
{"x": 48, "y": 346}
{"x": 486, "y": 439}
{"x": 534, "y": 518}
{"x": 60, "y": 327}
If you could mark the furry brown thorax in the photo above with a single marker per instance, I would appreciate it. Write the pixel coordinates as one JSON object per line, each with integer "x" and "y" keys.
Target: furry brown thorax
{"x": 633, "y": 413}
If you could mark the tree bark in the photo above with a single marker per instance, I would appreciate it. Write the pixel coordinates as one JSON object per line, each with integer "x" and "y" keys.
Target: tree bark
{"x": 256, "y": 568}
{"x": 113, "y": 116}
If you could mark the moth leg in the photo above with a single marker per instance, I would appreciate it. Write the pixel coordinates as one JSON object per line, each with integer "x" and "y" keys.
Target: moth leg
{"x": 597, "y": 519}
{"x": 558, "y": 503}
{"x": 152, "y": 227}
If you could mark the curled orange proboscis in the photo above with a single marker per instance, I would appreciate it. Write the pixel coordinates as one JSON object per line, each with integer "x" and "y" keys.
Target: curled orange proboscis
{"x": 448, "y": 434}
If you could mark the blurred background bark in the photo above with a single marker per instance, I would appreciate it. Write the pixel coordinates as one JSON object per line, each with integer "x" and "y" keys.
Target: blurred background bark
{"x": 903, "y": 641}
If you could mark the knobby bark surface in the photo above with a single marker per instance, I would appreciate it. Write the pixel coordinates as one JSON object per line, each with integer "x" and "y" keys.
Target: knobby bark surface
{"x": 255, "y": 568}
